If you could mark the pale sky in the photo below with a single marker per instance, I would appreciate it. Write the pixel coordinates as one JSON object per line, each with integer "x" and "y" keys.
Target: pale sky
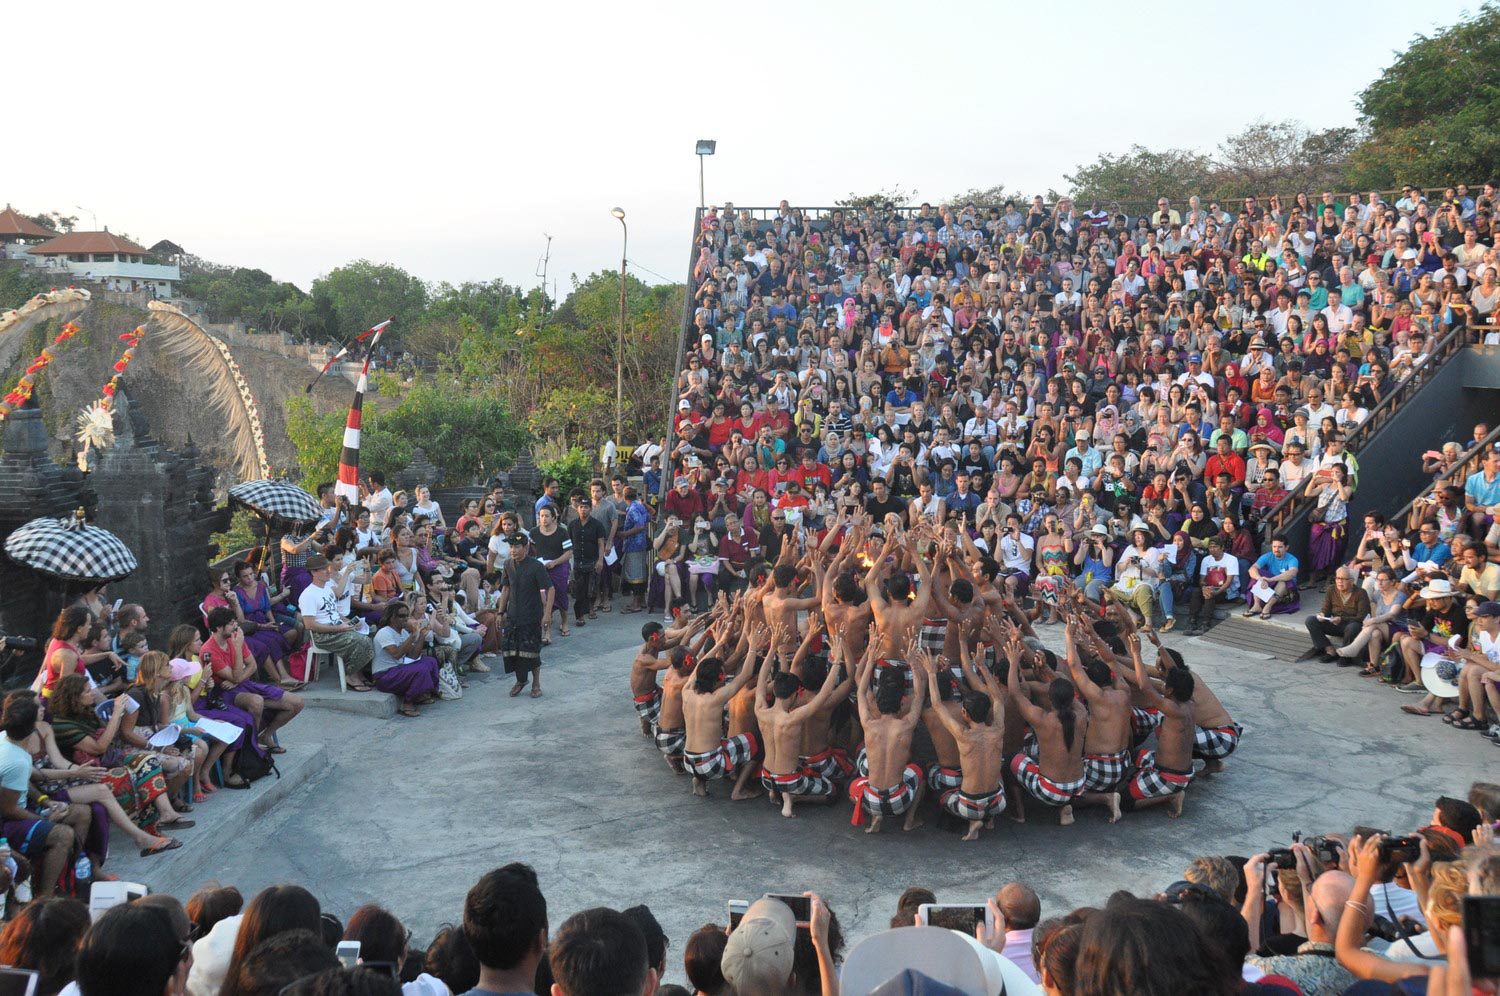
{"x": 446, "y": 138}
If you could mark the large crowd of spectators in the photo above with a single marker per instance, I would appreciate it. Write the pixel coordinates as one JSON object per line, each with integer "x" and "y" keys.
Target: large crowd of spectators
{"x": 1117, "y": 399}
{"x": 1362, "y": 912}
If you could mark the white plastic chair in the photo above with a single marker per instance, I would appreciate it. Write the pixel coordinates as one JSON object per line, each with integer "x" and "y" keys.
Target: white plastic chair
{"x": 314, "y": 652}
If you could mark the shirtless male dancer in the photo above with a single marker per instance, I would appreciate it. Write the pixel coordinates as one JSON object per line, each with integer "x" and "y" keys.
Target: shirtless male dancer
{"x": 1217, "y": 734}
{"x": 889, "y": 783}
{"x": 1055, "y": 775}
{"x": 648, "y": 661}
{"x": 782, "y": 604}
{"x": 817, "y": 753}
{"x": 1163, "y": 775}
{"x": 1106, "y": 744}
{"x": 708, "y": 752}
{"x": 979, "y": 731}
{"x": 782, "y": 725}
{"x": 898, "y": 616}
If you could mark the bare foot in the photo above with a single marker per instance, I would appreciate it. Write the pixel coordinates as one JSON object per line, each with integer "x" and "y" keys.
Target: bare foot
{"x": 874, "y": 826}
{"x": 739, "y": 795}
{"x": 989, "y": 824}
{"x": 700, "y": 789}
{"x": 1016, "y": 816}
{"x": 1174, "y": 808}
{"x": 645, "y": 727}
{"x": 911, "y": 821}
{"x": 973, "y": 833}
{"x": 786, "y": 805}
{"x": 1065, "y": 816}
{"x": 1212, "y": 766}
{"x": 1114, "y": 807}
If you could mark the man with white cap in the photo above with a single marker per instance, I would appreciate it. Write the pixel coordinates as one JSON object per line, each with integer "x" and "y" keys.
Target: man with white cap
{"x": 758, "y": 958}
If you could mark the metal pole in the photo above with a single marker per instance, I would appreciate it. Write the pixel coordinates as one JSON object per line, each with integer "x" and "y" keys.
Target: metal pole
{"x": 620, "y": 345}
{"x": 701, "y": 201}
{"x": 682, "y": 334}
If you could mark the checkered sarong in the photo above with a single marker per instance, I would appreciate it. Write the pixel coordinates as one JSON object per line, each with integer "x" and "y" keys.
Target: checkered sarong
{"x": 1029, "y": 773}
{"x": 1216, "y": 744}
{"x": 648, "y": 706}
{"x": 1143, "y": 723}
{"x": 974, "y": 807}
{"x": 891, "y": 801}
{"x": 831, "y": 762}
{"x": 803, "y": 781}
{"x": 1103, "y": 772}
{"x": 941, "y": 779}
{"x": 724, "y": 760}
{"x": 670, "y": 742}
{"x": 933, "y": 634}
{"x": 1151, "y": 782}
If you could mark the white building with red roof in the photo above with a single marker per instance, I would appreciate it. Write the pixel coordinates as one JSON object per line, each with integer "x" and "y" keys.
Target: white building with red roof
{"x": 117, "y": 262}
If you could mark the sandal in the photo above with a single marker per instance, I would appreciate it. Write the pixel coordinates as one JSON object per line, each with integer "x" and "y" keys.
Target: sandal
{"x": 1415, "y": 710}
{"x": 231, "y": 783}
{"x": 1469, "y": 723}
{"x": 517, "y": 690}
{"x": 536, "y": 693}
{"x": 546, "y": 641}
{"x": 169, "y": 844}
{"x": 1457, "y": 714}
{"x": 407, "y": 709}
{"x": 565, "y": 632}
{"x": 179, "y": 823}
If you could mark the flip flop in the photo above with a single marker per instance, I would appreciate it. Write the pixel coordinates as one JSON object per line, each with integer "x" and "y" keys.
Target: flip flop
{"x": 273, "y": 748}
{"x": 1414, "y": 710}
{"x": 170, "y": 844}
{"x": 517, "y": 690}
{"x": 179, "y": 823}
{"x": 409, "y": 711}
{"x": 358, "y": 687}
{"x": 536, "y": 693}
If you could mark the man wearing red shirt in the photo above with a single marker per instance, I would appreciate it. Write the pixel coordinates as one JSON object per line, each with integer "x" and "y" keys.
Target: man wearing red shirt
{"x": 1225, "y": 461}
{"x": 734, "y": 555}
{"x": 684, "y": 501}
{"x": 810, "y": 471}
{"x": 776, "y": 419}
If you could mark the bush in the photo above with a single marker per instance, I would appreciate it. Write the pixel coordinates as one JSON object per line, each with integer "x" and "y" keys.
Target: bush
{"x": 573, "y": 470}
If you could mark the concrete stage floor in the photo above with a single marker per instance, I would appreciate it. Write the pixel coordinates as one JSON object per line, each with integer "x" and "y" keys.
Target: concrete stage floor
{"x": 409, "y": 813}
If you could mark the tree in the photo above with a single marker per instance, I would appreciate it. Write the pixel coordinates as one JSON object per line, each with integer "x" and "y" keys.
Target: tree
{"x": 1281, "y": 157}
{"x": 254, "y": 297}
{"x": 1139, "y": 175}
{"x": 881, "y": 200}
{"x": 55, "y": 220}
{"x": 352, "y": 298}
{"x": 1431, "y": 113}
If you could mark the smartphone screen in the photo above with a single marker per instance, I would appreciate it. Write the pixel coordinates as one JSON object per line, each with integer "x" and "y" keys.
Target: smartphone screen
{"x": 1482, "y": 935}
{"x": 801, "y": 906}
{"x": 964, "y": 918}
{"x": 18, "y": 982}
{"x": 347, "y": 953}
{"x": 737, "y": 908}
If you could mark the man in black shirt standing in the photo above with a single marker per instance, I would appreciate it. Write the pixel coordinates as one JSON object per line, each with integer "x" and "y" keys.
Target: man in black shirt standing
{"x": 588, "y": 538}
{"x": 880, "y": 501}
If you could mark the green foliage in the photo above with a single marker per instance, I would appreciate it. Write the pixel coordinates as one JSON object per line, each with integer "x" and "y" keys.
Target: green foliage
{"x": 573, "y": 470}
{"x": 19, "y": 284}
{"x": 880, "y": 200}
{"x": 1431, "y": 113}
{"x": 255, "y": 298}
{"x": 468, "y": 436}
{"x": 238, "y": 536}
{"x": 352, "y": 298}
{"x": 55, "y": 220}
{"x": 1139, "y": 174}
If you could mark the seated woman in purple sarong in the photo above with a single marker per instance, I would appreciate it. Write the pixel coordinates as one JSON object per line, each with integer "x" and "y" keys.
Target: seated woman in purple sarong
{"x": 265, "y": 641}
{"x": 401, "y": 666}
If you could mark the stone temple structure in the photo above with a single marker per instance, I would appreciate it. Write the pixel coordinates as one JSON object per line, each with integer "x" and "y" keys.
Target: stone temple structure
{"x": 158, "y": 501}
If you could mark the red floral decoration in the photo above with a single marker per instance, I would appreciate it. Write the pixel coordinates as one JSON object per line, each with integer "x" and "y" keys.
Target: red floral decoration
{"x": 19, "y": 394}
{"x": 131, "y": 340}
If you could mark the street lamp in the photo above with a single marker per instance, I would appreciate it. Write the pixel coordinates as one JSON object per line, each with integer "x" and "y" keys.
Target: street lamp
{"x": 706, "y": 147}
{"x": 619, "y": 215}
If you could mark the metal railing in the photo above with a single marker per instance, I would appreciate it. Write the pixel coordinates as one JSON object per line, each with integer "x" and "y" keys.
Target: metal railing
{"x": 1282, "y": 513}
{"x": 1470, "y": 462}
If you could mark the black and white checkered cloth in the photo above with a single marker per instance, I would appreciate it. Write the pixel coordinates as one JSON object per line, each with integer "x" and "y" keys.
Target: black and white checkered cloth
{"x": 71, "y": 550}
{"x": 277, "y": 499}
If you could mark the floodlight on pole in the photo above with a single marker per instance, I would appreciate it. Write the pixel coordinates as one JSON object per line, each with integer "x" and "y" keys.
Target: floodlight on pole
{"x": 706, "y": 147}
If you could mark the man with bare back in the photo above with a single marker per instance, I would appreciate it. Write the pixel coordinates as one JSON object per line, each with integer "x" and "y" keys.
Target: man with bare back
{"x": 898, "y": 615}
{"x": 782, "y": 606}
{"x": 782, "y": 724}
{"x": 943, "y": 700}
{"x": 671, "y": 729}
{"x": 844, "y": 610}
{"x": 643, "y": 668}
{"x": 1163, "y": 775}
{"x": 979, "y": 731}
{"x": 1106, "y": 745}
{"x": 817, "y": 753}
{"x": 708, "y": 752}
{"x": 889, "y": 783}
{"x": 1055, "y": 775}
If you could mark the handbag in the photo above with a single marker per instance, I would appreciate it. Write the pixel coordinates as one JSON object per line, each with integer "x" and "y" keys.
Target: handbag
{"x": 1318, "y": 514}
{"x": 448, "y": 686}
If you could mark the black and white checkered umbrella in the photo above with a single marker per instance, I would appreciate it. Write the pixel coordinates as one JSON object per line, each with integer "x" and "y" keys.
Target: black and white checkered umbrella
{"x": 70, "y": 549}
{"x": 277, "y": 499}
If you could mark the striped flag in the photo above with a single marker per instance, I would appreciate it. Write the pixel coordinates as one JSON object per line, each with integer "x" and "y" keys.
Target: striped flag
{"x": 348, "y": 482}
{"x": 344, "y": 351}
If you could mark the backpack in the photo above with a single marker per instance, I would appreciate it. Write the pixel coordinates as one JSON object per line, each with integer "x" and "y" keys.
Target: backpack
{"x": 252, "y": 765}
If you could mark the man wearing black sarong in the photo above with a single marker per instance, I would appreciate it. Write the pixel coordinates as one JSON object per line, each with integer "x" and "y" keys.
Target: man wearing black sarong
{"x": 521, "y": 605}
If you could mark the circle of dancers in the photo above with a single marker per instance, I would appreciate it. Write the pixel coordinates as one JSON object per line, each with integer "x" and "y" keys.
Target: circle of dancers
{"x": 814, "y": 679}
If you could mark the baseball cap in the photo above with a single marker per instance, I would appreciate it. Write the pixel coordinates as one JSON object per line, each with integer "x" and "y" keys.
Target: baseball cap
{"x": 1488, "y": 610}
{"x": 679, "y": 482}
{"x": 759, "y": 952}
{"x": 1195, "y": 358}
{"x": 684, "y": 405}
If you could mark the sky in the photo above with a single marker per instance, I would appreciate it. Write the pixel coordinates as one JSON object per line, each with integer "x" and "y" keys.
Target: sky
{"x": 451, "y": 138}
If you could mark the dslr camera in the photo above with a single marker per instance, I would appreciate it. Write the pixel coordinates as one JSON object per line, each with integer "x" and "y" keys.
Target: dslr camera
{"x": 18, "y": 642}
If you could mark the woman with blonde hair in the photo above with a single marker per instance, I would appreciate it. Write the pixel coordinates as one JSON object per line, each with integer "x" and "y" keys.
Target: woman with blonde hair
{"x": 181, "y": 759}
